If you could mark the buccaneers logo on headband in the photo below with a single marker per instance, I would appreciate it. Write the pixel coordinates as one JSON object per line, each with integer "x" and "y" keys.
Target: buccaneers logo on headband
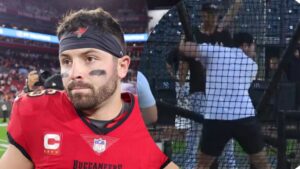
{"x": 80, "y": 31}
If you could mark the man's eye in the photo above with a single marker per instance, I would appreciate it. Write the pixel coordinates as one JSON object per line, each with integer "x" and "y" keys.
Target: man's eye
{"x": 90, "y": 58}
{"x": 66, "y": 61}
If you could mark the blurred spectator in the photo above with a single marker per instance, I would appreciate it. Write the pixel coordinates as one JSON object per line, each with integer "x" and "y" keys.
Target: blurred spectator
{"x": 4, "y": 107}
{"x": 54, "y": 82}
{"x": 273, "y": 66}
{"x": 32, "y": 81}
{"x": 146, "y": 99}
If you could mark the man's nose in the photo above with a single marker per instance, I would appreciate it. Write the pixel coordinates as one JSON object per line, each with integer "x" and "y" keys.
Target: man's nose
{"x": 76, "y": 71}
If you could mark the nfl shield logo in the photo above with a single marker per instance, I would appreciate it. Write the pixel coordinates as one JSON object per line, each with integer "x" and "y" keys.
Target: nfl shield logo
{"x": 99, "y": 145}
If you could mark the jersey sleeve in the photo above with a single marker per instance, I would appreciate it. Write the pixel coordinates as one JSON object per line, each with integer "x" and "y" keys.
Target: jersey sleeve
{"x": 15, "y": 132}
{"x": 145, "y": 96}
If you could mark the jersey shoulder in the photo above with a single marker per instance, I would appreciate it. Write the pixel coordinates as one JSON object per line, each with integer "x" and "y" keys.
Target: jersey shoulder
{"x": 39, "y": 94}
{"x": 37, "y": 101}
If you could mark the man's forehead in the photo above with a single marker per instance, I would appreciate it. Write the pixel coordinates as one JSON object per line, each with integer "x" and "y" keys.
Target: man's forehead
{"x": 82, "y": 51}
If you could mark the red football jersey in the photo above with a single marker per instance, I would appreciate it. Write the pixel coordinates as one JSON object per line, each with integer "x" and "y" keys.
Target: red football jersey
{"x": 48, "y": 130}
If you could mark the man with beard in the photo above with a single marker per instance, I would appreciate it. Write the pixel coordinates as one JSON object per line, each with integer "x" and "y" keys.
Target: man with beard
{"x": 91, "y": 125}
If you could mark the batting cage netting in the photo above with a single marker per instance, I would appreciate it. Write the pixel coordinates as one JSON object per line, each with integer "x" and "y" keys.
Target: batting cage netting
{"x": 225, "y": 78}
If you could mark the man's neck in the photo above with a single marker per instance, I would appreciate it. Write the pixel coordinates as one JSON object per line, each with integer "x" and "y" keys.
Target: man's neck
{"x": 209, "y": 28}
{"x": 108, "y": 110}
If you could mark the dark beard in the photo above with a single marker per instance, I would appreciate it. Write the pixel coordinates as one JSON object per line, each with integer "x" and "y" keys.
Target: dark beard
{"x": 96, "y": 98}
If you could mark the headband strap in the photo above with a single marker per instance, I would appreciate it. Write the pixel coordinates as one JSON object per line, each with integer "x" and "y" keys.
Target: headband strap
{"x": 90, "y": 38}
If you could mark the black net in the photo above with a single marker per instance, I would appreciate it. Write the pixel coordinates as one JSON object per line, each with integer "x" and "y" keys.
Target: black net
{"x": 222, "y": 76}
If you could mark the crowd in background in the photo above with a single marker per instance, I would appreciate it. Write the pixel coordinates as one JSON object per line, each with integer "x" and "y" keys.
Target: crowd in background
{"x": 42, "y": 16}
{"x": 15, "y": 65}
{"x": 43, "y": 10}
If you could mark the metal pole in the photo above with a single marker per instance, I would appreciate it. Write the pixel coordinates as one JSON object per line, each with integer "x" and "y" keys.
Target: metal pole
{"x": 281, "y": 135}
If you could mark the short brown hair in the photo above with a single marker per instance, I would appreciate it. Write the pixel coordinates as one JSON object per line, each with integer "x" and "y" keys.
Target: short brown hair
{"x": 97, "y": 18}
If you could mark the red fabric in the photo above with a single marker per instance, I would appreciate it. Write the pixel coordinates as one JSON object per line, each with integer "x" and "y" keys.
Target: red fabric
{"x": 49, "y": 129}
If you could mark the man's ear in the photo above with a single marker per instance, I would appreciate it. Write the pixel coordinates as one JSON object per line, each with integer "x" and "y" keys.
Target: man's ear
{"x": 244, "y": 47}
{"x": 123, "y": 65}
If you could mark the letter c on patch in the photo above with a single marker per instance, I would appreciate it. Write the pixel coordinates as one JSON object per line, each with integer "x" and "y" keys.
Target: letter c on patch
{"x": 52, "y": 141}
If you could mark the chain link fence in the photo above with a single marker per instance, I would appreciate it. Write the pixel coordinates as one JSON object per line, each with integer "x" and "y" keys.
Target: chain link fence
{"x": 219, "y": 80}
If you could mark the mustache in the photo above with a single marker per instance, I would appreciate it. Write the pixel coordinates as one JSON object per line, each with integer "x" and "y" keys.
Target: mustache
{"x": 78, "y": 84}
